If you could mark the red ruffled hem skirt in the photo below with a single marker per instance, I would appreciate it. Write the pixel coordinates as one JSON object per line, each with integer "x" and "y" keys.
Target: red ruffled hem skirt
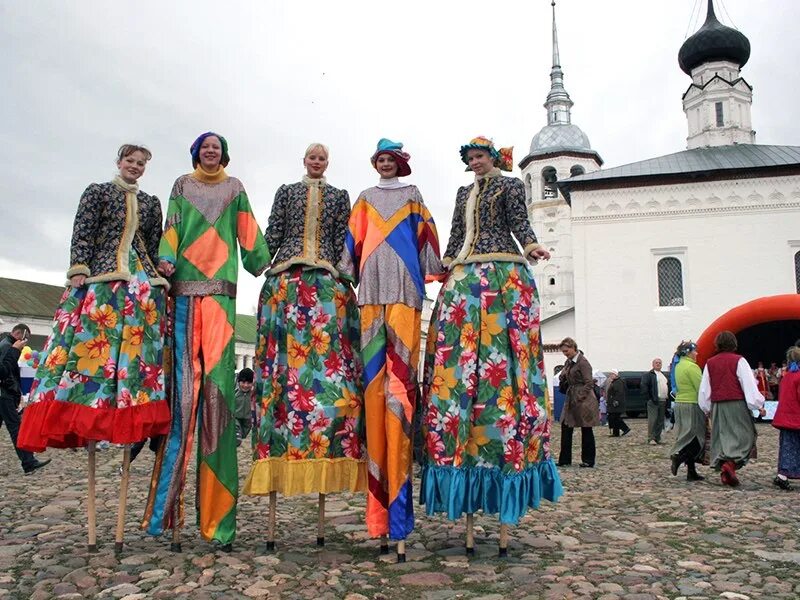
{"x": 57, "y": 424}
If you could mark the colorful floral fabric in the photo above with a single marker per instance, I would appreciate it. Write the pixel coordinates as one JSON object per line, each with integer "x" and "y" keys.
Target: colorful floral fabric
{"x": 100, "y": 374}
{"x": 487, "y": 411}
{"x": 309, "y": 400}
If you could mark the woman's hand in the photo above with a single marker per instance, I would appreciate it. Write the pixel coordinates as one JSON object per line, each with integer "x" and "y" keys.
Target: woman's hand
{"x": 165, "y": 268}
{"x": 77, "y": 281}
{"x": 540, "y": 254}
{"x": 762, "y": 412}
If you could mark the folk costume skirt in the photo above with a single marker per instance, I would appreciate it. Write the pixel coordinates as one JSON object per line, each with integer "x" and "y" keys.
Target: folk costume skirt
{"x": 789, "y": 453}
{"x": 100, "y": 374}
{"x": 733, "y": 434}
{"x": 309, "y": 434}
{"x": 690, "y": 425}
{"x": 487, "y": 408}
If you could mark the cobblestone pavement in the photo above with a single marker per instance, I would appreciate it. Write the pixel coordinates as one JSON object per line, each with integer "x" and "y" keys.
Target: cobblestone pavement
{"x": 625, "y": 529}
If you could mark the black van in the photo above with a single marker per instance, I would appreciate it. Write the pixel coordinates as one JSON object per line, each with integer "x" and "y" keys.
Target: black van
{"x": 635, "y": 399}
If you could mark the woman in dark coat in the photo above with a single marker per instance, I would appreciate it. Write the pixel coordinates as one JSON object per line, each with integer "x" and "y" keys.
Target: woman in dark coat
{"x": 581, "y": 408}
{"x": 616, "y": 397}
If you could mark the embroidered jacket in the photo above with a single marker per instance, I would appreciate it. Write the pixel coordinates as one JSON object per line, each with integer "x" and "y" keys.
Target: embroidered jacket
{"x": 391, "y": 248}
{"x": 206, "y": 217}
{"x": 484, "y": 219}
{"x": 307, "y": 226}
{"x": 109, "y": 223}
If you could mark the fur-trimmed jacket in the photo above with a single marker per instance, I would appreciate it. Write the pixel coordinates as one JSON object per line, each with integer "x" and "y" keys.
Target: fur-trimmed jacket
{"x": 307, "y": 228}
{"x": 484, "y": 220}
{"x": 109, "y": 223}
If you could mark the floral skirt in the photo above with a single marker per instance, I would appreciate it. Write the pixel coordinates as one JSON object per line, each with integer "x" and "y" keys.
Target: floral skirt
{"x": 100, "y": 374}
{"x": 487, "y": 410}
{"x": 309, "y": 434}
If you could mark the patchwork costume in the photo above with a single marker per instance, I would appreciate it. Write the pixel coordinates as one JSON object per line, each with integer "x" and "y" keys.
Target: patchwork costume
{"x": 208, "y": 216}
{"x": 391, "y": 249}
{"x": 310, "y": 420}
{"x": 100, "y": 375}
{"x": 487, "y": 409}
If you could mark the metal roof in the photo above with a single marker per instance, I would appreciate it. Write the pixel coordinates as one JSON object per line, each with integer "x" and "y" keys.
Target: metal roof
{"x": 698, "y": 160}
{"x": 28, "y": 298}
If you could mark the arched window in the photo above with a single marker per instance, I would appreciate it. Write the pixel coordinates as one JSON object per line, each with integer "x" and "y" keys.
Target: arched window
{"x": 577, "y": 170}
{"x": 670, "y": 282}
{"x": 552, "y": 280}
{"x": 549, "y": 178}
{"x": 797, "y": 271}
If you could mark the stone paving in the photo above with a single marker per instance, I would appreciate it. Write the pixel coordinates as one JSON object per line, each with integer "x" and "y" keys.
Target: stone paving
{"x": 624, "y": 530}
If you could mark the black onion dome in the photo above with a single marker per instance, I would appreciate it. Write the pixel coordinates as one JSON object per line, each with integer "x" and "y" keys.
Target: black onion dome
{"x": 713, "y": 41}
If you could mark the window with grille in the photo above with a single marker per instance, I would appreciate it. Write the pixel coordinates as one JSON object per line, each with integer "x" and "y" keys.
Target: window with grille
{"x": 718, "y": 110}
{"x": 797, "y": 271}
{"x": 670, "y": 282}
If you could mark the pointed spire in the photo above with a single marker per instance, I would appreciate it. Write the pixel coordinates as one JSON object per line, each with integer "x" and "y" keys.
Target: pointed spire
{"x": 556, "y": 58}
{"x": 558, "y": 102}
{"x": 710, "y": 16}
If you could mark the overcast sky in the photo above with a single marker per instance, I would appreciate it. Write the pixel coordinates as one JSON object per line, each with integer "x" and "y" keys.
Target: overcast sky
{"x": 80, "y": 78}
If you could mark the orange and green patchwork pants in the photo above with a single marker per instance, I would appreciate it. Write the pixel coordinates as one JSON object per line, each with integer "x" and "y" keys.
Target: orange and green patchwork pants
{"x": 202, "y": 399}
{"x": 390, "y": 339}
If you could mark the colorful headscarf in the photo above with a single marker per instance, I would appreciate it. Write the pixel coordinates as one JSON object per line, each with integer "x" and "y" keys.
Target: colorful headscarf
{"x": 194, "y": 149}
{"x": 502, "y": 157}
{"x": 386, "y": 146}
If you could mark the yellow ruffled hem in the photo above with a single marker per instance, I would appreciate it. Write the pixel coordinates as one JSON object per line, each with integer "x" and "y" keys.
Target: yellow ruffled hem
{"x": 293, "y": 477}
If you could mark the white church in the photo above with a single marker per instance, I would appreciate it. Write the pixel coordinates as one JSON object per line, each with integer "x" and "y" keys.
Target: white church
{"x": 650, "y": 253}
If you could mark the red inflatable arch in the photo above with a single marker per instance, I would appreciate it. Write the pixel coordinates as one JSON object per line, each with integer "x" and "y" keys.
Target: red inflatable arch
{"x": 785, "y": 307}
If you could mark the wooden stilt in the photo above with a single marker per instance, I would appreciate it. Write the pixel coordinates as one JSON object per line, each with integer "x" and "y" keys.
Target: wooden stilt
{"x": 503, "y": 540}
{"x": 321, "y": 521}
{"x": 123, "y": 499}
{"x": 273, "y": 501}
{"x": 176, "y": 529}
{"x": 470, "y": 534}
{"x": 401, "y": 551}
{"x": 90, "y": 504}
{"x": 384, "y": 545}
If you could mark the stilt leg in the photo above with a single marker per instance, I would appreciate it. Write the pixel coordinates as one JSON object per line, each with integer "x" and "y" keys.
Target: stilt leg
{"x": 470, "y": 534}
{"x": 321, "y": 521}
{"x": 273, "y": 501}
{"x": 384, "y": 545}
{"x": 503, "y": 540}
{"x": 401, "y": 551}
{"x": 123, "y": 499}
{"x": 90, "y": 504}
{"x": 176, "y": 530}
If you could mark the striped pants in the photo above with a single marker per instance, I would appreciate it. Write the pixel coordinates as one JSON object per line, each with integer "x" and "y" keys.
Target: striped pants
{"x": 390, "y": 338}
{"x": 202, "y": 397}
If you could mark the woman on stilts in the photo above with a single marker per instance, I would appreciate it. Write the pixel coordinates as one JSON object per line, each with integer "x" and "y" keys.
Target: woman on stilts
{"x": 100, "y": 376}
{"x": 392, "y": 249}
{"x": 309, "y": 433}
{"x": 728, "y": 391}
{"x": 487, "y": 410}
{"x": 209, "y": 219}
{"x": 690, "y": 421}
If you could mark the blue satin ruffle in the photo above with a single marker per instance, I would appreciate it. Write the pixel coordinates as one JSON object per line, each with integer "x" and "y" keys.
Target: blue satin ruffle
{"x": 456, "y": 491}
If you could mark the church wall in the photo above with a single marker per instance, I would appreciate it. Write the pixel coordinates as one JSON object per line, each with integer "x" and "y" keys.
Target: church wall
{"x": 736, "y": 240}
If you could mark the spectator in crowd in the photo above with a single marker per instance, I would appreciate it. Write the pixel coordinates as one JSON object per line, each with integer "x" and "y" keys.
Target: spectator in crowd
{"x": 11, "y": 344}
{"x": 244, "y": 402}
{"x": 581, "y": 408}
{"x": 690, "y": 422}
{"x": 616, "y": 396}
{"x": 787, "y": 420}
{"x": 729, "y": 392}
{"x": 655, "y": 387}
{"x": 774, "y": 378}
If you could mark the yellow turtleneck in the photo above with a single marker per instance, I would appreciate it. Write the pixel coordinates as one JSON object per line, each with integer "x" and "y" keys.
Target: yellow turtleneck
{"x": 207, "y": 177}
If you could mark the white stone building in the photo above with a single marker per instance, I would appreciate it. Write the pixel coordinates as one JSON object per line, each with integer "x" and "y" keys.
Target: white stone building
{"x": 656, "y": 250}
